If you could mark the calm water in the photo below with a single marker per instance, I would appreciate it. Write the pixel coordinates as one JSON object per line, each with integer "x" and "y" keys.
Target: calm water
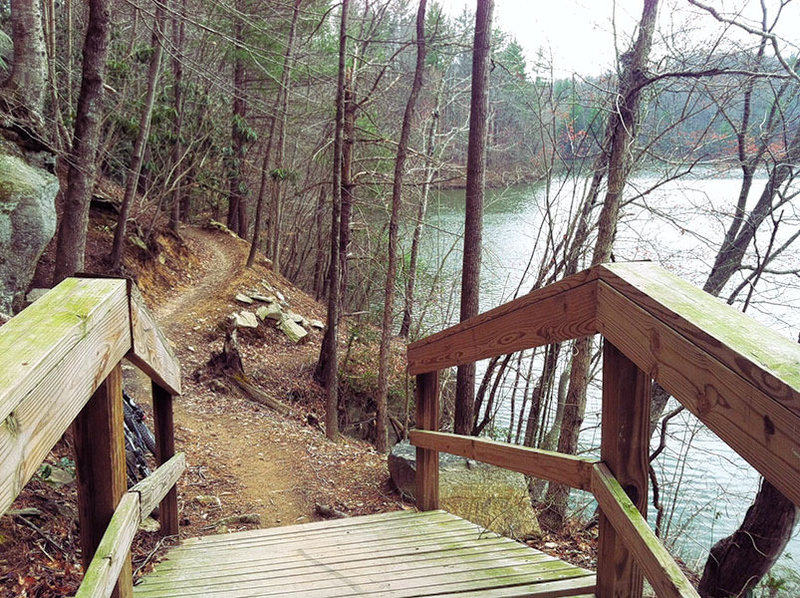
{"x": 705, "y": 486}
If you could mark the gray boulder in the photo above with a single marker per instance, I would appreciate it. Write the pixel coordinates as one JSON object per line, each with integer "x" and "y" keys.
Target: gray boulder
{"x": 490, "y": 496}
{"x": 27, "y": 223}
{"x": 293, "y": 331}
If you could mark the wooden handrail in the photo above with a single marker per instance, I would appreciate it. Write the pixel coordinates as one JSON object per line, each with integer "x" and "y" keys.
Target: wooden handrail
{"x": 53, "y": 356}
{"x": 661, "y": 570}
{"x": 573, "y": 471}
{"x": 737, "y": 376}
{"x": 561, "y": 311}
{"x": 135, "y": 506}
{"x": 59, "y": 364}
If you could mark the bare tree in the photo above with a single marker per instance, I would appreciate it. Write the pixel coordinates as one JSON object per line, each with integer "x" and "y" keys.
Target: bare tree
{"x": 328, "y": 363}
{"x": 620, "y": 135}
{"x": 473, "y": 223}
{"x": 135, "y": 169}
{"x": 71, "y": 242}
{"x": 391, "y": 270}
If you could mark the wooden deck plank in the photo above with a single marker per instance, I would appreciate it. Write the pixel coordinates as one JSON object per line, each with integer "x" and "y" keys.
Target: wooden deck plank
{"x": 343, "y": 563}
{"x": 316, "y": 574}
{"x": 340, "y": 540}
{"x": 384, "y": 519}
{"x": 333, "y": 555}
{"x": 391, "y": 555}
{"x": 400, "y": 585}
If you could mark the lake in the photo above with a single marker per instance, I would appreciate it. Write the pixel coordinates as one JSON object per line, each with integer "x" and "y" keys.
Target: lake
{"x": 704, "y": 484}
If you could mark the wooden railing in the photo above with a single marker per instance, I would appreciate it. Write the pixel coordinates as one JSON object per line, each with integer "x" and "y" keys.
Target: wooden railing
{"x": 739, "y": 378}
{"x": 60, "y": 365}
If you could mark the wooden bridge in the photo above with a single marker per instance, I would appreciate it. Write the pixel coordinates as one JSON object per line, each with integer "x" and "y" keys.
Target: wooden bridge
{"x": 60, "y": 366}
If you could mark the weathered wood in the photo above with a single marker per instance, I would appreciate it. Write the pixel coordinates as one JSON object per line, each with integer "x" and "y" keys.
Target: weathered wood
{"x": 575, "y": 472}
{"x": 112, "y": 557}
{"x": 561, "y": 311}
{"x": 427, "y": 476}
{"x": 624, "y": 448}
{"x": 661, "y": 571}
{"x": 764, "y": 358}
{"x": 53, "y": 356}
{"x": 165, "y": 450}
{"x": 98, "y": 435}
{"x": 761, "y": 430}
{"x": 151, "y": 351}
{"x": 155, "y": 487}
{"x": 294, "y": 564}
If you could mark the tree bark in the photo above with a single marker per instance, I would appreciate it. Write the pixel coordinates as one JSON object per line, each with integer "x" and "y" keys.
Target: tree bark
{"x": 473, "y": 220}
{"x": 348, "y": 187}
{"x": 237, "y": 194}
{"x": 737, "y": 563}
{"x": 71, "y": 242}
{"x": 328, "y": 363}
{"x": 178, "y": 41}
{"x": 24, "y": 90}
{"x": 262, "y": 192}
{"x": 278, "y": 171}
{"x": 135, "y": 168}
{"x": 382, "y": 441}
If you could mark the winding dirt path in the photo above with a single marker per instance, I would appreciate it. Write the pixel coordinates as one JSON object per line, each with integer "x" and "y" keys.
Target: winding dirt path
{"x": 244, "y": 458}
{"x": 219, "y": 271}
{"x": 236, "y": 450}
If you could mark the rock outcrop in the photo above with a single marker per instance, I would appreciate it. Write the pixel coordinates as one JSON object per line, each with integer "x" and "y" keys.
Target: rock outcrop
{"x": 27, "y": 223}
{"x": 495, "y": 498}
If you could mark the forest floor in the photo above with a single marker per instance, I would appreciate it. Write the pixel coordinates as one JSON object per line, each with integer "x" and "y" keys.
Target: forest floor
{"x": 248, "y": 466}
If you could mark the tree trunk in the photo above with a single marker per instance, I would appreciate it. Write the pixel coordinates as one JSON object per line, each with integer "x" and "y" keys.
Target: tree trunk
{"x": 178, "y": 41}
{"x": 473, "y": 220}
{"x": 278, "y": 171}
{"x": 71, "y": 242}
{"x": 262, "y": 192}
{"x": 141, "y": 140}
{"x": 382, "y": 441}
{"x": 430, "y": 144}
{"x": 737, "y": 563}
{"x": 348, "y": 187}
{"x": 237, "y": 193}
{"x": 24, "y": 90}
{"x": 328, "y": 363}
{"x": 621, "y": 133}
{"x": 319, "y": 260}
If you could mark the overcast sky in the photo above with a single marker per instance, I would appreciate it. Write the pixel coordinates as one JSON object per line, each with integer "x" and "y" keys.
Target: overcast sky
{"x": 579, "y": 34}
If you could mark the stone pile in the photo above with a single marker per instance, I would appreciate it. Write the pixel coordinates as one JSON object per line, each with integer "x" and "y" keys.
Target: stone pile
{"x": 272, "y": 305}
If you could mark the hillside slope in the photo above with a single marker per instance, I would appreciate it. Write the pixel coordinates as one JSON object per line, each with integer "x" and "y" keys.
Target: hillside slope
{"x": 249, "y": 466}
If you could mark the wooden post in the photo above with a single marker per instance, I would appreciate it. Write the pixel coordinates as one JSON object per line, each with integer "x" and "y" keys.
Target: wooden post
{"x": 624, "y": 448}
{"x": 100, "y": 464}
{"x": 427, "y": 478}
{"x": 165, "y": 449}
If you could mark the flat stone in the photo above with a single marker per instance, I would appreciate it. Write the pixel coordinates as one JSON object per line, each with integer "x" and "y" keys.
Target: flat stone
{"x": 293, "y": 331}
{"x": 243, "y": 298}
{"x": 245, "y": 319}
{"x": 280, "y": 297}
{"x": 316, "y": 324}
{"x": 297, "y": 319}
{"x": 490, "y": 496}
{"x": 272, "y": 311}
{"x": 262, "y": 298}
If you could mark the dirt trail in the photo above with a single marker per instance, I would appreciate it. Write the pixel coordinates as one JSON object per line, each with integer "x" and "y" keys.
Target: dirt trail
{"x": 220, "y": 435}
{"x": 219, "y": 271}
